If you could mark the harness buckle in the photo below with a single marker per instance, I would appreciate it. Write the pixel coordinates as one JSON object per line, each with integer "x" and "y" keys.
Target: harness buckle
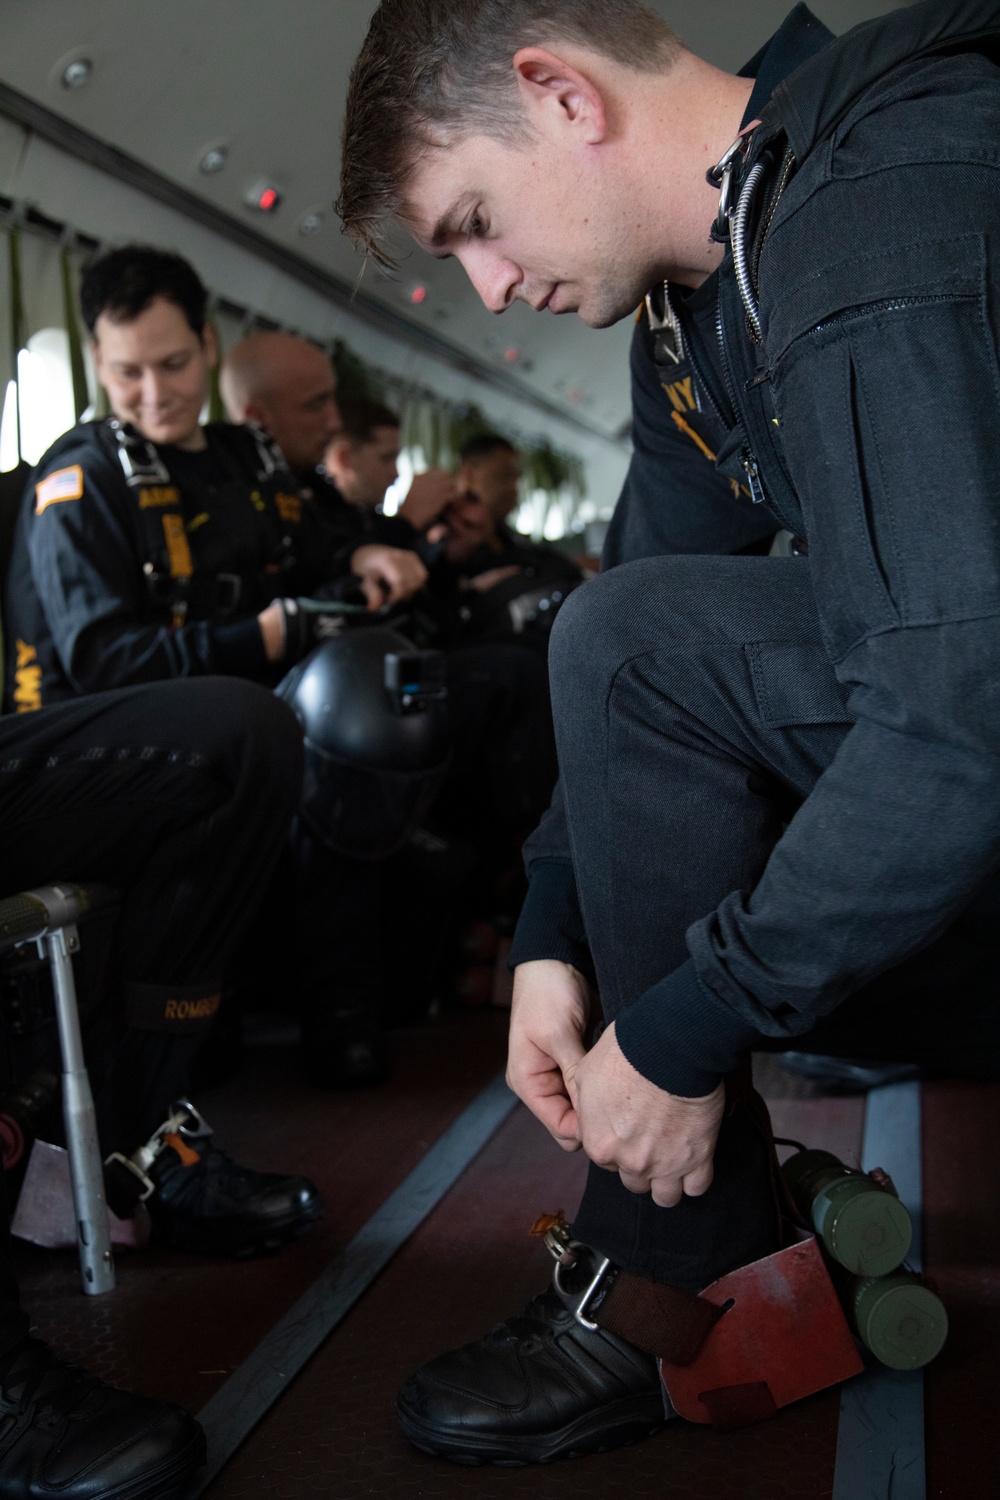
{"x": 140, "y": 461}
{"x": 596, "y": 1285}
{"x": 557, "y": 1237}
{"x": 721, "y": 176}
{"x": 184, "y": 1120}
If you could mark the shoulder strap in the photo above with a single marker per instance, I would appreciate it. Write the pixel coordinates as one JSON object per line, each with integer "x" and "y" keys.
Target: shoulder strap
{"x": 159, "y": 516}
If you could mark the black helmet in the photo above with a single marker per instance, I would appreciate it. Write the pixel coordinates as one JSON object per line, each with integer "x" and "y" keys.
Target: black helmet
{"x": 376, "y": 738}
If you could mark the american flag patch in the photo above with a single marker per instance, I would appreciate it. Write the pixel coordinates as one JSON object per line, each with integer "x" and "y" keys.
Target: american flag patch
{"x": 64, "y": 484}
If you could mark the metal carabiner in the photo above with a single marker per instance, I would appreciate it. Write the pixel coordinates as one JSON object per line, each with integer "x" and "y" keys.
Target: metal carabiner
{"x": 721, "y": 176}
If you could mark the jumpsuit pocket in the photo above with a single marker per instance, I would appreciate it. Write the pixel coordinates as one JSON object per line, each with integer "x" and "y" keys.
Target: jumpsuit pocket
{"x": 794, "y": 683}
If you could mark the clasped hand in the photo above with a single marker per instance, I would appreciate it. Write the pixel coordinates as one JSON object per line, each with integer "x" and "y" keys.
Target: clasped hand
{"x": 658, "y": 1143}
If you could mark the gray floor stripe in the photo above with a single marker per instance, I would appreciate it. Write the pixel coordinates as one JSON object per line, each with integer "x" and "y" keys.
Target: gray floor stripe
{"x": 251, "y": 1390}
{"x": 880, "y": 1440}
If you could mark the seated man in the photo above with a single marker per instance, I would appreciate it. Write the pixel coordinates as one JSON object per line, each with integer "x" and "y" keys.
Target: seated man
{"x": 780, "y": 792}
{"x": 179, "y": 795}
{"x": 150, "y": 547}
{"x": 489, "y": 466}
{"x": 502, "y": 765}
{"x": 288, "y": 387}
{"x": 360, "y": 464}
{"x": 500, "y": 585}
{"x": 457, "y": 524}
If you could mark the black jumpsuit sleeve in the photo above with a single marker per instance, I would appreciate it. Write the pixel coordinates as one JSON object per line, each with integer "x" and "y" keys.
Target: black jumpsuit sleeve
{"x": 86, "y": 569}
{"x": 551, "y": 923}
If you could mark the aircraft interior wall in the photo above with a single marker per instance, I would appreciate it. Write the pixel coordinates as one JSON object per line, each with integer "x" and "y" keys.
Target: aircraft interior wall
{"x": 34, "y": 172}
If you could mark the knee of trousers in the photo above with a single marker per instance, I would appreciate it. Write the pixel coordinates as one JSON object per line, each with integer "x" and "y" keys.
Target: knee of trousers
{"x": 674, "y": 605}
{"x": 244, "y": 727}
{"x": 614, "y": 617}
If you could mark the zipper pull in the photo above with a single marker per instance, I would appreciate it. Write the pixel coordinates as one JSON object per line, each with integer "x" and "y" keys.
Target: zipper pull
{"x": 752, "y": 472}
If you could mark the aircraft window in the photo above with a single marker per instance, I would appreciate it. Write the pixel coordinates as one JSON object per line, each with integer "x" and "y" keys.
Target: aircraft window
{"x": 46, "y": 391}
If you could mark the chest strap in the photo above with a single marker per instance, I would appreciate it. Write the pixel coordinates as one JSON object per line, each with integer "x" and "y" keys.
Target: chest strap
{"x": 172, "y": 583}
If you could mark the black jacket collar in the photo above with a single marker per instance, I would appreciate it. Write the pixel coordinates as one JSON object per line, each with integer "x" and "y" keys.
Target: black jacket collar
{"x": 796, "y": 40}
{"x": 816, "y": 96}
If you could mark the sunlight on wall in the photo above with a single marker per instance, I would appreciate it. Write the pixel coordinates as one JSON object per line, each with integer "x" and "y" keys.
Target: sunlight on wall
{"x": 410, "y": 463}
{"x": 8, "y": 430}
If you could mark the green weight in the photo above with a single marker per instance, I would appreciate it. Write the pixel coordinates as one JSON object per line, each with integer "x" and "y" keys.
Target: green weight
{"x": 864, "y": 1228}
{"x": 900, "y": 1321}
{"x": 862, "y": 1225}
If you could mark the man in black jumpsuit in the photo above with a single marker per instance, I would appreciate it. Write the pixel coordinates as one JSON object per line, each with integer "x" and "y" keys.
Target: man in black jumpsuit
{"x": 152, "y": 548}
{"x": 779, "y": 799}
{"x": 503, "y": 761}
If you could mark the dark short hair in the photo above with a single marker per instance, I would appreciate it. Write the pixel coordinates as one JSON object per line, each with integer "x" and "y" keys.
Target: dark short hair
{"x": 432, "y": 72}
{"x": 124, "y": 282}
{"x": 361, "y": 419}
{"x": 482, "y": 445}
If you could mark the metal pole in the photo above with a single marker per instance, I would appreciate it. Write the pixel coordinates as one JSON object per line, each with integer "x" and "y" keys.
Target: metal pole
{"x": 86, "y": 1174}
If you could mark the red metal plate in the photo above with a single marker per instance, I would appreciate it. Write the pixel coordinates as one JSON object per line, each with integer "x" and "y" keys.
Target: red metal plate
{"x": 785, "y": 1330}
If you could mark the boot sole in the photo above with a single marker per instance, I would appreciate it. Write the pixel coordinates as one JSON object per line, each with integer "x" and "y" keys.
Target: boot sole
{"x": 615, "y": 1426}
{"x": 170, "y": 1482}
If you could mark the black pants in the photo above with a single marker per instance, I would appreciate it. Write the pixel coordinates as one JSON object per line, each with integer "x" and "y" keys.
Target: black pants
{"x": 676, "y": 786}
{"x": 179, "y": 795}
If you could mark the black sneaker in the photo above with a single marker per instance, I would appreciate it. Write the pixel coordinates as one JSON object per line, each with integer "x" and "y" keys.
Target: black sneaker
{"x": 65, "y": 1435}
{"x": 206, "y": 1202}
{"x": 538, "y": 1387}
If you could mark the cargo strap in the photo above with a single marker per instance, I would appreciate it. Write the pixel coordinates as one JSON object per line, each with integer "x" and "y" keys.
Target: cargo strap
{"x": 653, "y": 1317}
{"x": 659, "y": 1319}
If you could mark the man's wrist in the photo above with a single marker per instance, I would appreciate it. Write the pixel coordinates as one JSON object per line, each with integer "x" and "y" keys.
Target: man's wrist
{"x": 681, "y": 1036}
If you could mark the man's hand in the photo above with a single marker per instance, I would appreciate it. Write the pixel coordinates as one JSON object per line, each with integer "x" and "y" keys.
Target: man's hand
{"x": 656, "y": 1142}
{"x": 548, "y": 1021}
{"x": 272, "y": 629}
{"x": 427, "y": 497}
{"x": 387, "y": 574}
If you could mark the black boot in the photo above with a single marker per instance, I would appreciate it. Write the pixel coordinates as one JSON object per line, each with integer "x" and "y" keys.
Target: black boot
{"x": 65, "y": 1435}
{"x": 538, "y": 1387}
{"x": 206, "y": 1202}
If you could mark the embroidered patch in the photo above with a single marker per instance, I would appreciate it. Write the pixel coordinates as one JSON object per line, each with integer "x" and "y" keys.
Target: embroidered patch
{"x": 27, "y": 679}
{"x": 178, "y": 550}
{"x": 289, "y": 508}
{"x": 64, "y": 484}
{"x": 159, "y": 494}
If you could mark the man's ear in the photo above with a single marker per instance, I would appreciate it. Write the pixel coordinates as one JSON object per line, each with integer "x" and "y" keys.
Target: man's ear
{"x": 339, "y": 452}
{"x": 554, "y": 91}
{"x": 98, "y": 358}
{"x": 254, "y": 412}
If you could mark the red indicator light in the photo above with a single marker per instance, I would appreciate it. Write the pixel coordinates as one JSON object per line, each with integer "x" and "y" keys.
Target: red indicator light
{"x": 512, "y": 356}
{"x": 418, "y": 295}
{"x": 267, "y": 199}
